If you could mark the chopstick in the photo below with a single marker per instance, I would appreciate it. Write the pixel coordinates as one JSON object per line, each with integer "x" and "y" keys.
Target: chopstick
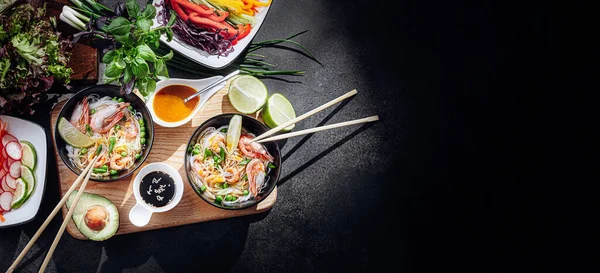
{"x": 321, "y": 128}
{"x": 303, "y": 116}
{"x": 67, "y": 219}
{"x": 206, "y": 88}
{"x": 83, "y": 174}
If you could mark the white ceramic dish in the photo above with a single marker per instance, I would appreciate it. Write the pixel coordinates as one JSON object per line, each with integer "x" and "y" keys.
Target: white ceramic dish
{"x": 27, "y": 130}
{"x": 202, "y": 57}
{"x": 196, "y": 84}
{"x": 141, "y": 213}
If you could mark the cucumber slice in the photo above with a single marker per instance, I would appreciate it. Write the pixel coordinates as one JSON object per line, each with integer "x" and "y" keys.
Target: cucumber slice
{"x": 27, "y": 174}
{"x": 20, "y": 194}
{"x": 29, "y": 158}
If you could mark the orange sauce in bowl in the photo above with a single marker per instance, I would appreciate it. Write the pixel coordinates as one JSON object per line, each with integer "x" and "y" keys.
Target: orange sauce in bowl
{"x": 168, "y": 102}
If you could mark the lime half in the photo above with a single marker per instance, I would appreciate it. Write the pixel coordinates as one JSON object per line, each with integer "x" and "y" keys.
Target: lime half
{"x": 233, "y": 132}
{"x": 29, "y": 158}
{"x": 20, "y": 193}
{"x": 27, "y": 175}
{"x": 247, "y": 94}
{"x": 278, "y": 111}
{"x": 72, "y": 136}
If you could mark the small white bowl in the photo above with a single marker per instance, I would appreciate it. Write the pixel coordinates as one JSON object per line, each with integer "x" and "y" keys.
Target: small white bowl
{"x": 196, "y": 84}
{"x": 141, "y": 213}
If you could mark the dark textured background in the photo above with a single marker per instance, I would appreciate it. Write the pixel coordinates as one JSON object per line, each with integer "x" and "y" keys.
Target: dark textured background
{"x": 445, "y": 181}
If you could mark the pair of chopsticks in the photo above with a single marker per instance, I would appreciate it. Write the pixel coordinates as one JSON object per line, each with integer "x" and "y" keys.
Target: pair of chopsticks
{"x": 263, "y": 137}
{"x": 85, "y": 177}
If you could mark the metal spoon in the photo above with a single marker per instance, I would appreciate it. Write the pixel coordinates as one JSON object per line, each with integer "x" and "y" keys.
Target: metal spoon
{"x": 234, "y": 73}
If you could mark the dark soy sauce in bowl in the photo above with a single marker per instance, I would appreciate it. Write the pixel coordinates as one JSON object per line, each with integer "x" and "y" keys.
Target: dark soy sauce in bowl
{"x": 157, "y": 189}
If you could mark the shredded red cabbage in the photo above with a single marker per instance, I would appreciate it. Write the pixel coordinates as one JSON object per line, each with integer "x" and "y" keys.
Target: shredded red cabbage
{"x": 210, "y": 41}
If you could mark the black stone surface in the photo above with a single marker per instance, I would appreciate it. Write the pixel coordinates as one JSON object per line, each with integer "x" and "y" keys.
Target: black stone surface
{"x": 442, "y": 182}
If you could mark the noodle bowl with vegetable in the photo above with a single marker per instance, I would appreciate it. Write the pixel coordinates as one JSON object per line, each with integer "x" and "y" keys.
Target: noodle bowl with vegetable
{"x": 118, "y": 133}
{"x": 226, "y": 167}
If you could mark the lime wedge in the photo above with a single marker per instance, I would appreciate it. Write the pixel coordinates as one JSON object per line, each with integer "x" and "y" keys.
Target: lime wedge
{"x": 20, "y": 193}
{"x": 27, "y": 175}
{"x": 247, "y": 94}
{"x": 278, "y": 111}
{"x": 29, "y": 158}
{"x": 72, "y": 136}
{"x": 233, "y": 132}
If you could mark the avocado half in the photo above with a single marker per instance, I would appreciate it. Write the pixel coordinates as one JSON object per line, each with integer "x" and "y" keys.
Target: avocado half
{"x": 96, "y": 217}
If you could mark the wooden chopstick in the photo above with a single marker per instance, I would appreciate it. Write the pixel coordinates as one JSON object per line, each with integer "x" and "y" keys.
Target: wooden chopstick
{"x": 50, "y": 217}
{"x": 303, "y": 116}
{"x": 321, "y": 128}
{"x": 67, "y": 218}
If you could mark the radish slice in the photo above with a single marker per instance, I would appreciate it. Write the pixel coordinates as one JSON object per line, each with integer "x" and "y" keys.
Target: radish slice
{"x": 4, "y": 155}
{"x": 5, "y": 165}
{"x": 10, "y": 161}
{"x": 15, "y": 169}
{"x": 6, "y": 200}
{"x": 2, "y": 173}
{"x": 8, "y": 138}
{"x": 5, "y": 186}
{"x": 14, "y": 150}
{"x": 11, "y": 181}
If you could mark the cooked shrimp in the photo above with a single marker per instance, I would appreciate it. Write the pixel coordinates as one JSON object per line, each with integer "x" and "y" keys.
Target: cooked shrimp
{"x": 131, "y": 131}
{"x": 118, "y": 162}
{"x": 253, "y": 149}
{"x": 81, "y": 117}
{"x": 256, "y": 175}
{"x": 233, "y": 175}
{"x": 104, "y": 119}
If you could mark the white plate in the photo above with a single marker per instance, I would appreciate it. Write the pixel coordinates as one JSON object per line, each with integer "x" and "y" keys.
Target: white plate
{"x": 27, "y": 130}
{"x": 212, "y": 61}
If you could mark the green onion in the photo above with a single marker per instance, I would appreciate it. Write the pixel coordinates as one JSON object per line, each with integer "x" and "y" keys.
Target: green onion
{"x": 111, "y": 144}
{"x": 244, "y": 162}
{"x": 99, "y": 150}
{"x": 271, "y": 166}
{"x": 130, "y": 108}
{"x": 104, "y": 167}
{"x": 202, "y": 188}
{"x": 245, "y": 177}
{"x": 99, "y": 170}
{"x": 224, "y": 130}
{"x": 117, "y": 127}
{"x": 222, "y": 152}
{"x": 113, "y": 172}
{"x": 207, "y": 153}
{"x": 83, "y": 151}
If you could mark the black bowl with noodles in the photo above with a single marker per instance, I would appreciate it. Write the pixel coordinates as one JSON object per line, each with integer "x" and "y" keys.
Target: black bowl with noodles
{"x": 112, "y": 91}
{"x": 253, "y": 126}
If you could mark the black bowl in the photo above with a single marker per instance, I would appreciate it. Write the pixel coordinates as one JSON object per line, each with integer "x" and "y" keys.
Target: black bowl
{"x": 112, "y": 91}
{"x": 254, "y": 126}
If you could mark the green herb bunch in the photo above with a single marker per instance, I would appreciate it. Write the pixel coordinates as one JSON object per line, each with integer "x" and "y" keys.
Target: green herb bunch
{"x": 133, "y": 63}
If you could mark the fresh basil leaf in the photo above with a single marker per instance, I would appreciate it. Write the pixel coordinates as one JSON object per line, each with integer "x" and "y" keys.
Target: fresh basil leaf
{"x": 119, "y": 62}
{"x": 133, "y": 9}
{"x": 149, "y": 12}
{"x": 126, "y": 39}
{"x": 168, "y": 56}
{"x": 172, "y": 19}
{"x": 127, "y": 74}
{"x": 144, "y": 24}
{"x": 119, "y": 26}
{"x": 169, "y": 33}
{"x": 151, "y": 86}
{"x": 128, "y": 59}
{"x": 139, "y": 67}
{"x": 112, "y": 70}
{"x": 159, "y": 66}
{"x": 108, "y": 57}
{"x": 144, "y": 52}
{"x": 142, "y": 85}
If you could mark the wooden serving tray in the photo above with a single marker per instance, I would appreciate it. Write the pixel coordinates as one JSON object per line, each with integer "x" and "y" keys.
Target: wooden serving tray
{"x": 169, "y": 147}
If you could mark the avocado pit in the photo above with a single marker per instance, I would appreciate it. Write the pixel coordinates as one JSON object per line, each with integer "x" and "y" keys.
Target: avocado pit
{"x": 96, "y": 217}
